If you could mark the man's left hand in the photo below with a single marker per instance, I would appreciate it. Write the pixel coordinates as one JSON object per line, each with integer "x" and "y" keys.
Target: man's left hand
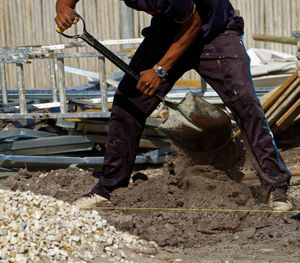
{"x": 149, "y": 82}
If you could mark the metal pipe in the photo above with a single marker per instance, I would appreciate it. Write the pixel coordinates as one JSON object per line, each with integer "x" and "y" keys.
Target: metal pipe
{"x": 21, "y": 88}
{"x": 61, "y": 85}
{"x": 51, "y": 66}
{"x": 103, "y": 84}
{"x": 3, "y": 83}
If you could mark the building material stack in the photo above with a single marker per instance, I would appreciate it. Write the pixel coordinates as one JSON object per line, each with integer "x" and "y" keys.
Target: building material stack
{"x": 282, "y": 105}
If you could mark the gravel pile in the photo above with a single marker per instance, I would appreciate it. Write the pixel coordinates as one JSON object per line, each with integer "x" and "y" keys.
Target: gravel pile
{"x": 38, "y": 228}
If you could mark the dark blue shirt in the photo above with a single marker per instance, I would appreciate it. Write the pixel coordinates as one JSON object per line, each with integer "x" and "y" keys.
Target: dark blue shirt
{"x": 214, "y": 13}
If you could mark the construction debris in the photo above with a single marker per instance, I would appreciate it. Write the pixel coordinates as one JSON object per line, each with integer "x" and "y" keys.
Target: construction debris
{"x": 282, "y": 105}
{"x": 270, "y": 68}
{"x": 75, "y": 142}
{"x": 73, "y": 131}
{"x": 55, "y": 162}
{"x": 47, "y": 146}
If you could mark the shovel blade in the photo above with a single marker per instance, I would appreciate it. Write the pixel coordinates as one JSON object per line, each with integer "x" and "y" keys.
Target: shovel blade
{"x": 197, "y": 125}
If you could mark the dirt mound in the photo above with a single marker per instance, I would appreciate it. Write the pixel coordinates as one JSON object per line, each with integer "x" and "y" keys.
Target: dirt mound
{"x": 168, "y": 203}
{"x": 199, "y": 187}
{"x": 64, "y": 184}
{"x": 196, "y": 212}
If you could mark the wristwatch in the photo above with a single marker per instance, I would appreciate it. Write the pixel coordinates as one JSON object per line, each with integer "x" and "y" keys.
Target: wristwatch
{"x": 160, "y": 71}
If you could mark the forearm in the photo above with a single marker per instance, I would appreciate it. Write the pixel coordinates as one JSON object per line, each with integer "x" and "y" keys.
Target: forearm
{"x": 182, "y": 42}
{"x": 149, "y": 81}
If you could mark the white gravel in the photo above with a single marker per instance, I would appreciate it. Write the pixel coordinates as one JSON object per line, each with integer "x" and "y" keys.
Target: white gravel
{"x": 37, "y": 228}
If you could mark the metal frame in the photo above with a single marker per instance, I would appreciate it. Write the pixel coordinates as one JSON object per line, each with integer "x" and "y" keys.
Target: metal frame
{"x": 23, "y": 55}
{"x": 56, "y": 57}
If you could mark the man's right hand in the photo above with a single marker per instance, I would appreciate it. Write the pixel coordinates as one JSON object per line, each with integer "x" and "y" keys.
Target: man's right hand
{"x": 65, "y": 17}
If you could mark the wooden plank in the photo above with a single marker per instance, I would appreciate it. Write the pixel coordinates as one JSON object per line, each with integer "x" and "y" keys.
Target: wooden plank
{"x": 278, "y": 39}
{"x": 288, "y": 118}
{"x": 284, "y": 106}
{"x": 267, "y": 96}
{"x": 276, "y": 94}
{"x": 269, "y": 99}
{"x": 291, "y": 92}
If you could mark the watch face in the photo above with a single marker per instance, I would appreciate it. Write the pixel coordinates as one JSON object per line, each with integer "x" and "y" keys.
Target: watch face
{"x": 161, "y": 72}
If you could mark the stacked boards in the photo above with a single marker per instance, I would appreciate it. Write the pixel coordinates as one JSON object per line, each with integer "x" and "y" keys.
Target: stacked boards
{"x": 282, "y": 105}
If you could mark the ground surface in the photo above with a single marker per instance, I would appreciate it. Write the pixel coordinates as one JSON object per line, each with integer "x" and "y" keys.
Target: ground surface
{"x": 172, "y": 211}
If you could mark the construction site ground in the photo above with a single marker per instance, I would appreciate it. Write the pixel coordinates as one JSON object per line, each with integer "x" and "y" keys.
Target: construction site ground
{"x": 199, "y": 215}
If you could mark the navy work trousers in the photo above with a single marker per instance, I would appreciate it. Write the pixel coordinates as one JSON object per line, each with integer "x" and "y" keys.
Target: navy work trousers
{"x": 223, "y": 62}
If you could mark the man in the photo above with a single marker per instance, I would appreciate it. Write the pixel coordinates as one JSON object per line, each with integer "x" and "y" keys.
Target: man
{"x": 204, "y": 35}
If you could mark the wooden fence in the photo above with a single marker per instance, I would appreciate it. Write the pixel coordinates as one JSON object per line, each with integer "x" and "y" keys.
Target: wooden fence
{"x": 31, "y": 22}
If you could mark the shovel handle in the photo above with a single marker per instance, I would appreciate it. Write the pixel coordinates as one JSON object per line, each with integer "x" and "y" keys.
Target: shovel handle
{"x": 92, "y": 41}
{"x": 88, "y": 38}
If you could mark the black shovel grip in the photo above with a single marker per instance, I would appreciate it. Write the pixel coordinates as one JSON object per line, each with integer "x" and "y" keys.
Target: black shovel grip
{"x": 109, "y": 55}
{"x": 89, "y": 39}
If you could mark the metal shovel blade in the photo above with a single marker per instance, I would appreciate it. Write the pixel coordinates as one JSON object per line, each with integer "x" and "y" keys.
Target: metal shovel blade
{"x": 197, "y": 125}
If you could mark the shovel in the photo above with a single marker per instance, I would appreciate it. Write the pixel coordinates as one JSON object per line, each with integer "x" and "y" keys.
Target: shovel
{"x": 192, "y": 123}
{"x": 93, "y": 42}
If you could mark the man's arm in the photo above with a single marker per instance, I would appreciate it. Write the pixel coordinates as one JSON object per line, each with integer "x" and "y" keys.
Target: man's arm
{"x": 65, "y": 17}
{"x": 182, "y": 42}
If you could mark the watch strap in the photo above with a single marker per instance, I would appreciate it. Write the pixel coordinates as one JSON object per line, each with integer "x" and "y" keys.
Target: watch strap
{"x": 155, "y": 67}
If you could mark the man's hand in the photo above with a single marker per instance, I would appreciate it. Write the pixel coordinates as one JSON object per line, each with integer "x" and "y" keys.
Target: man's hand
{"x": 149, "y": 82}
{"x": 65, "y": 17}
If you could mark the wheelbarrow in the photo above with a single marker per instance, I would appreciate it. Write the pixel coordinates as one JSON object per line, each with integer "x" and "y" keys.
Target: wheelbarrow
{"x": 193, "y": 122}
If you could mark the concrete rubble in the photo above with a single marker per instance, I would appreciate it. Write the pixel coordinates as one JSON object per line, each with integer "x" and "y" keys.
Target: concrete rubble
{"x": 37, "y": 228}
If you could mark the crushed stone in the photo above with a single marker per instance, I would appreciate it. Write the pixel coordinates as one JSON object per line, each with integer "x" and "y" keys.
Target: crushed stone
{"x": 39, "y": 228}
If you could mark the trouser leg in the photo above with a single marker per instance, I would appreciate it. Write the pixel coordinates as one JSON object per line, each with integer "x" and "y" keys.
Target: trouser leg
{"x": 225, "y": 65}
{"x": 131, "y": 108}
{"x": 123, "y": 139}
